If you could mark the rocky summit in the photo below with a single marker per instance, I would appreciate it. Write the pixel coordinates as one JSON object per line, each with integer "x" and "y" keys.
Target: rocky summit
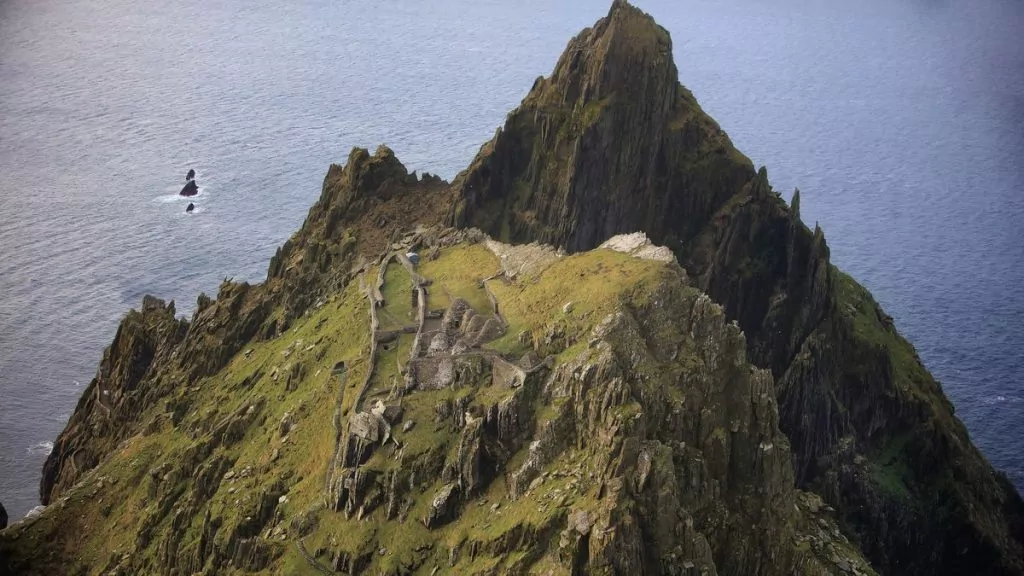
{"x": 608, "y": 347}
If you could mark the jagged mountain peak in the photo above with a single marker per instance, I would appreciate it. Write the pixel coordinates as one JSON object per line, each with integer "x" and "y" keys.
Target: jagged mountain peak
{"x": 625, "y": 54}
{"x": 610, "y": 143}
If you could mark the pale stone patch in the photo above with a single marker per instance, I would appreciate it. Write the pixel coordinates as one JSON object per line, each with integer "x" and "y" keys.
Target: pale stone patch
{"x": 525, "y": 259}
{"x": 640, "y": 246}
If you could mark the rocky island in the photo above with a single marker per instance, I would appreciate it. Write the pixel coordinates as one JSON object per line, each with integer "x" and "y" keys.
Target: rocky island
{"x": 191, "y": 188}
{"x": 617, "y": 351}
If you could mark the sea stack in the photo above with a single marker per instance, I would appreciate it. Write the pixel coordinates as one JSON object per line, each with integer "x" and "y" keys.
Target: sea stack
{"x": 190, "y": 189}
{"x": 191, "y": 174}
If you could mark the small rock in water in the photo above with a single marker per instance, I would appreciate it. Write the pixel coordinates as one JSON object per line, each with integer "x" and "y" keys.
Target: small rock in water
{"x": 190, "y": 189}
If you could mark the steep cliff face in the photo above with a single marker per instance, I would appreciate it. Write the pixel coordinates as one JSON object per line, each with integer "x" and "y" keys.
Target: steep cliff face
{"x": 612, "y": 143}
{"x": 592, "y": 150}
{"x": 114, "y": 396}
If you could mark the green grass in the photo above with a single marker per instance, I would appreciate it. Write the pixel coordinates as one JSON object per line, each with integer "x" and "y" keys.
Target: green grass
{"x": 458, "y": 274}
{"x": 859, "y": 307}
{"x": 388, "y": 373}
{"x": 336, "y": 332}
{"x": 594, "y": 282}
{"x": 397, "y": 289}
{"x": 890, "y": 463}
{"x": 889, "y": 469}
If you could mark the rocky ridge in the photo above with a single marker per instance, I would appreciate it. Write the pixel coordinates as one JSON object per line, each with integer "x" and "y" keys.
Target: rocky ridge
{"x": 612, "y": 143}
{"x": 487, "y": 428}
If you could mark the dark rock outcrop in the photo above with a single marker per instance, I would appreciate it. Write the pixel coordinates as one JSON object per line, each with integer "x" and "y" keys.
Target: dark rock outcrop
{"x": 190, "y": 207}
{"x": 612, "y": 143}
{"x": 191, "y": 175}
{"x": 189, "y": 189}
{"x": 115, "y": 397}
{"x": 3, "y": 516}
{"x": 364, "y": 204}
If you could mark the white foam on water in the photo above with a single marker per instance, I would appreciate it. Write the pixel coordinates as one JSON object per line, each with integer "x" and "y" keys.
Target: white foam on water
{"x": 169, "y": 198}
{"x": 40, "y": 449}
{"x": 1001, "y": 399}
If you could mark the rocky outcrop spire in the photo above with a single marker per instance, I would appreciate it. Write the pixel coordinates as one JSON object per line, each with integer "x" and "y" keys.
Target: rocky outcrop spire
{"x": 115, "y": 398}
{"x": 610, "y": 143}
{"x": 368, "y": 201}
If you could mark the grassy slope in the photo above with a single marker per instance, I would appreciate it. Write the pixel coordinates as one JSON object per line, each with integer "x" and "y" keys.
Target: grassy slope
{"x": 118, "y": 495}
{"x": 338, "y": 331}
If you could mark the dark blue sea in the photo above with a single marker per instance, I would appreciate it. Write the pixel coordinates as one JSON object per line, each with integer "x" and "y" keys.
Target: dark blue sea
{"x": 901, "y": 121}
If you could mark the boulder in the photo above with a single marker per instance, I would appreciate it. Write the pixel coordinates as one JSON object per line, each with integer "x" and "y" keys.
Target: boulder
{"x": 190, "y": 207}
{"x": 390, "y": 413}
{"x": 442, "y": 506}
{"x": 369, "y": 427}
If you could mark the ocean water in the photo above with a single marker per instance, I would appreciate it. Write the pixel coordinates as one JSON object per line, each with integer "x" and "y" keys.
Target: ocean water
{"x": 902, "y": 122}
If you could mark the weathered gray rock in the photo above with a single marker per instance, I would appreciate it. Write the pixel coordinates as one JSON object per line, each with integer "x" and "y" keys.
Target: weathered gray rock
{"x": 287, "y": 422}
{"x": 442, "y": 506}
{"x": 368, "y": 426}
{"x": 390, "y": 413}
{"x": 35, "y": 512}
